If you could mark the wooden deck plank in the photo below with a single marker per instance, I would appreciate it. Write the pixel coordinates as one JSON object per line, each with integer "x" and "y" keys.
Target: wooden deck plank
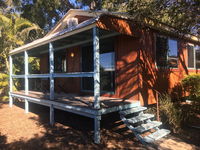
{"x": 76, "y": 100}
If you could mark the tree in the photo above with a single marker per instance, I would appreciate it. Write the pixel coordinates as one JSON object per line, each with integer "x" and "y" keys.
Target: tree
{"x": 184, "y": 15}
{"x": 15, "y": 31}
{"x": 44, "y": 13}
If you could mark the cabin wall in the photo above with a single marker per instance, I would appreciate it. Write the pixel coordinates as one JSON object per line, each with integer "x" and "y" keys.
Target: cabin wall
{"x": 70, "y": 85}
{"x": 127, "y": 67}
{"x": 136, "y": 77}
{"x": 162, "y": 80}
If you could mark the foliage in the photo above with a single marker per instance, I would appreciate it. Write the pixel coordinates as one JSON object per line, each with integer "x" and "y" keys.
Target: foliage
{"x": 34, "y": 65}
{"x": 191, "y": 84}
{"x": 182, "y": 15}
{"x": 3, "y": 86}
{"x": 171, "y": 113}
{"x": 15, "y": 31}
{"x": 41, "y": 12}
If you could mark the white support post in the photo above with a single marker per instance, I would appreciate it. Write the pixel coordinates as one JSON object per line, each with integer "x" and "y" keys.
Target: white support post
{"x": 96, "y": 83}
{"x": 96, "y": 67}
{"x": 10, "y": 81}
{"x": 97, "y": 129}
{"x": 51, "y": 70}
{"x": 26, "y": 80}
{"x": 51, "y": 115}
{"x": 26, "y": 71}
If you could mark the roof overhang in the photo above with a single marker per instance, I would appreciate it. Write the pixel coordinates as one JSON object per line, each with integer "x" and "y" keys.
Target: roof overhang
{"x": 117, "y": 22}
{"x": 86, "y": 25}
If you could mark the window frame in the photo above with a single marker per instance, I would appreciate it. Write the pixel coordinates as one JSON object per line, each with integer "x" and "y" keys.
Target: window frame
{"x": 164, "y": 36}
{"x": 102, "y": 91}
{"x": 189, "y": 44}
{"x": 195, "y": 47}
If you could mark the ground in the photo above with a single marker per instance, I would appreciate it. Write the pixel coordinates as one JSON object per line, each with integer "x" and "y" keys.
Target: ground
{"x": 32, "y": 131}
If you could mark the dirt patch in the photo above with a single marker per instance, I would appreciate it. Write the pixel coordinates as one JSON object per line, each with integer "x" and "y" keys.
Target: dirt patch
{"x": 32, "y": 131}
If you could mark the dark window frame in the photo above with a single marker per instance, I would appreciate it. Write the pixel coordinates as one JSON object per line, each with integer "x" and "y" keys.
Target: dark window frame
{"x": 113, "y": 74}
{"x": 165, "y": 62}
{"x": 196, "y": 47}
{"x": 194, "y": 55}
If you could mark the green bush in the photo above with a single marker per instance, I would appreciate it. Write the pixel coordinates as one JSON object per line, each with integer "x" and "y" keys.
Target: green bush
{"x": 191, "y": 84}
{"x": 4, "y": 87}
{"x": 170, "y": 113}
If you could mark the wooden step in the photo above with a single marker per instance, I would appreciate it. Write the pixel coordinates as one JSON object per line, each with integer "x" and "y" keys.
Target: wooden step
{"x": 156, "y": 135}
{"x": 139, "y": 118}
{"x": 132, "y": 110}
{"x": 147, "y": 126}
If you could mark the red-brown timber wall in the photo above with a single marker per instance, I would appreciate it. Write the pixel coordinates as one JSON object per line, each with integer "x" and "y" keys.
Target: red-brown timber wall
{"x": 137, "y": 77}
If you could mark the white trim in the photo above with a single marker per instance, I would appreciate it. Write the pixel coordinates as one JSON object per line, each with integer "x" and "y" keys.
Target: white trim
{"x": 26, "y": 72}
{"x": 10, "y": 80}
{"x": 96, "y": 67}
{"x": 48, "y": 39}
{"x": 51, "y": 70}
{"x": 189, "y": 44}
{"x": 74, "y": 74}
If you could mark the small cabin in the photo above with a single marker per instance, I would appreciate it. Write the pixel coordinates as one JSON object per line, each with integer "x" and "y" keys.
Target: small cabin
{"x": 95, "y": 63}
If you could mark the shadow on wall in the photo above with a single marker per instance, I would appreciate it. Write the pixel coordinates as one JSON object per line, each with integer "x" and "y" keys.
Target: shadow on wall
{"x": 155, "y": 80}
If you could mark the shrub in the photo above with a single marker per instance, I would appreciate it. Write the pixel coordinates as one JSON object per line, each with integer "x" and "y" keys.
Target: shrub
{"x": 4, "y": 87}
{"x": 170, "y": 113}
{"x": 191, "y": 84}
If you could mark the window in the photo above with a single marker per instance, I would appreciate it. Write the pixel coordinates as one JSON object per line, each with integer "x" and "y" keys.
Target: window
{"x": 60, "y": 63}
{"x": 197, "y": 50}
{"x": 191, "y": 56}
{"x": 107, "y": 67}
{"x": 166, "y": 52}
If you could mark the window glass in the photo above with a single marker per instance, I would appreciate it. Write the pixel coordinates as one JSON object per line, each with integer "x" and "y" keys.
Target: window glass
{"x": 172, "y": 53}
{"x": 107, "y": 67}
{"x": 166, "y": 52}
{"x": 190, "y": 50}
{"x": 107, "y": 61}
{"x": 197, "y": 49}
{"x": 60, "y": 63}
{"x": 161, "y": 51}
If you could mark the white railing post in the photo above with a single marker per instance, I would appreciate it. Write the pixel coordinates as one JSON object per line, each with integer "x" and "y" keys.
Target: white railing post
{"x": 96, "y": 83}
{"x": 96, "y": 67}
{"x": 10, "y": 80}
{"x": 26, "y": 72}
{"x": 26, "y": 80}
{"x": 51, "y": 70}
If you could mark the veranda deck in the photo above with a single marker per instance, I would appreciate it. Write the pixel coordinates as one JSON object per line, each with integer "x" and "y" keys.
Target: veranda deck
{"x": 82, "y": 105}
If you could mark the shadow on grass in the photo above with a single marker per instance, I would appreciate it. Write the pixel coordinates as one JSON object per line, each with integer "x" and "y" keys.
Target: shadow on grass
{"x": 72, "y": 132}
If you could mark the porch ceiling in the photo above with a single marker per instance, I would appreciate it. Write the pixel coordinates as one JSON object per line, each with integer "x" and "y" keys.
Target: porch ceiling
{"x": 70, "y": 37}
{"x": 86, "y": 25}
{"x": 79, "y": 39}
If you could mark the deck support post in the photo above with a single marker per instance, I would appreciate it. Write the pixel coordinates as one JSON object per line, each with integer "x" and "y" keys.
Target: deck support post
{"x": 51, "y": 115}
{"x": 96, "y": 67}
{"x": 10, "y": 80}
{"x": 97, "y": 120}
{"x": 26, "y": 106}
{"x": 26, "y": 80}
{"x": 51, "y": 70}
{"x": 96, "y": 83}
